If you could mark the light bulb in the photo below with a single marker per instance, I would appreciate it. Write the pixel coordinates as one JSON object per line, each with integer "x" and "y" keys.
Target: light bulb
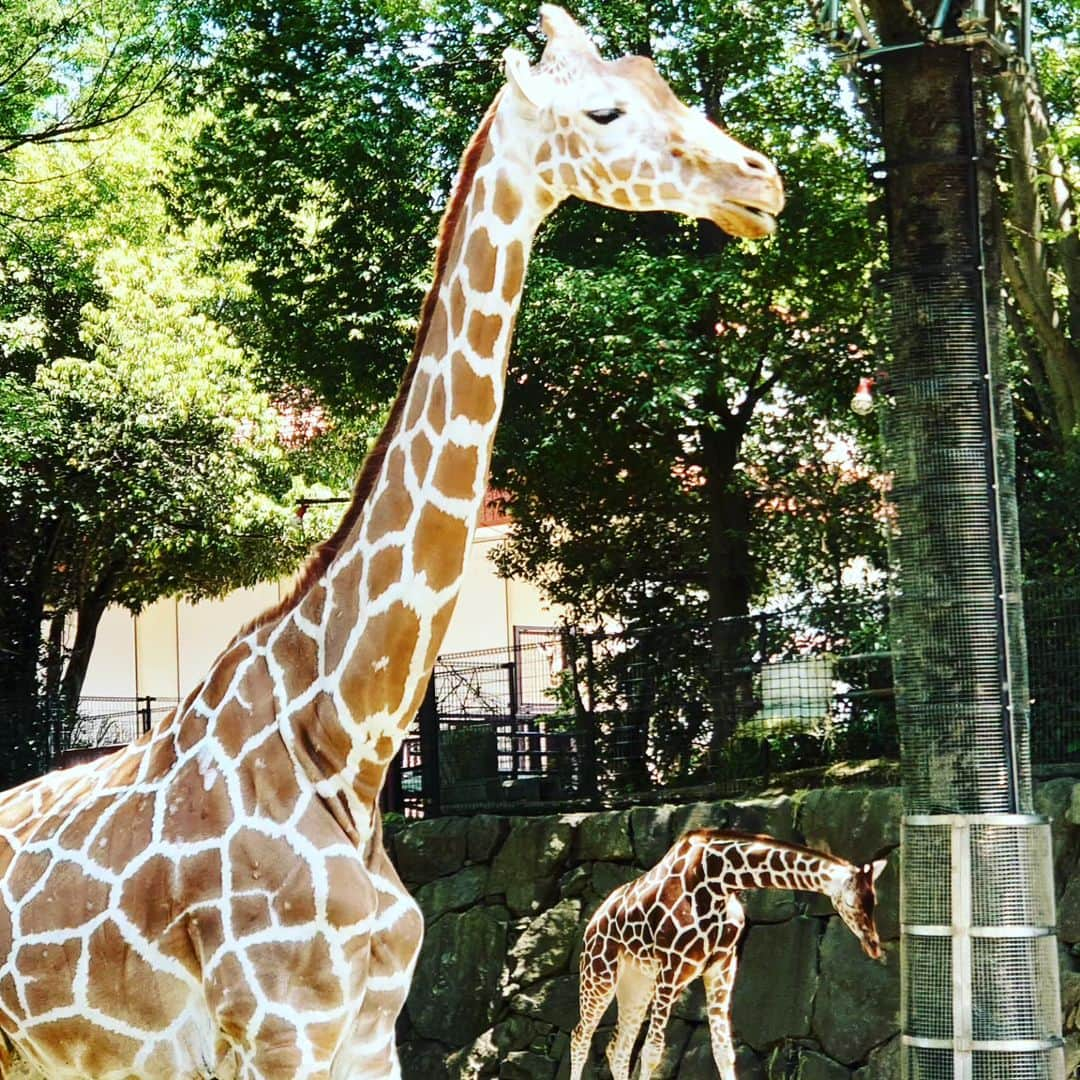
{"x": 863, "y": 402}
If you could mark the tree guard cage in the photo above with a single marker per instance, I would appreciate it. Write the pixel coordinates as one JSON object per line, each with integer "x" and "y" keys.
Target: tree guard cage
{"x": 980, "y": 995}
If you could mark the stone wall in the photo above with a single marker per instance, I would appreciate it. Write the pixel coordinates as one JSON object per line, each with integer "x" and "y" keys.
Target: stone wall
{"x": 506, "y": 900}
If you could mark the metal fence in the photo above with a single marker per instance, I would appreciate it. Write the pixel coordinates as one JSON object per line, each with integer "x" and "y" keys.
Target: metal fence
{"x": 574, "y": 719}
{"x": 595, "y": 719}
{"x": 101, "y": 723}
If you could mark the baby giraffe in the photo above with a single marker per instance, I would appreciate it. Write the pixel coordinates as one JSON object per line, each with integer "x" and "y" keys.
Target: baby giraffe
{"x": 654, "y": 935}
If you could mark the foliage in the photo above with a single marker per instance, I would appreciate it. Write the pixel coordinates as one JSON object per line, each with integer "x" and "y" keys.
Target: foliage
{"x": 70, "y": 70}
{"x": 138, "y": 458}
{"x": 608, "y": 442}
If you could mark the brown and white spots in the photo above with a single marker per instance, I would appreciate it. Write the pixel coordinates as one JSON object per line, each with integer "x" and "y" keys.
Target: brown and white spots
{"x": 37, "y": 963}
{"x": 436, "y": 413}
{"x": 394, "y": 506}
{"x": 297, "y": 656}
{"x": 421, "y": 456}
{"x": 235, "y": 725}
{"x": 128, "y": 1004}
{"x": 484, "y": 331}
{"x": 313, "y": 605}
{"x": 457, "y": 307}
{"x": 268, "y": 785}
{"x": 49, "y": 907}
{"x": 514, "y": 270}
{"x": 419, "y": 389}
{"x": 440, "y": 547}
{"x": 197, "y": 803}
{"x": 507, "y": 203}
{"x": 653, "y": 936}
{"x": 367, "y": 689}
{"x": 481, "y": 258}
{"x": 473, "y": 395}
{"x": 216, "y": 687}
{"x": 385, "y": 571}
{"x": 457, "y": 473}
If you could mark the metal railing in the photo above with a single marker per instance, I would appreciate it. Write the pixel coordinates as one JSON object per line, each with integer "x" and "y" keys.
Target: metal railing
{"x": 673, "y": 711}
{"x": 102, "y": 722}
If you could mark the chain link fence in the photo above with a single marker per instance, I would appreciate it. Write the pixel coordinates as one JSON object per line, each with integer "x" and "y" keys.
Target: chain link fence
{"x": 679, "y": 711}
{"x": 572, "y": 719}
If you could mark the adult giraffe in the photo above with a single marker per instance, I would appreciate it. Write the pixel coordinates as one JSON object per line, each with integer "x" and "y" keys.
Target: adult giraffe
{"x": 215, "y": 900}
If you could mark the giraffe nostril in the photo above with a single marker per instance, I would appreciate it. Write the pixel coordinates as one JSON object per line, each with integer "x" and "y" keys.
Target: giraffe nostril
{"x": 757, "y": 164}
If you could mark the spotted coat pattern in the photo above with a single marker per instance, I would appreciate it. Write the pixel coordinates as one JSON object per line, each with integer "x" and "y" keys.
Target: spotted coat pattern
{"x": 682, "y": 919}
{"x": 215, "y": 899}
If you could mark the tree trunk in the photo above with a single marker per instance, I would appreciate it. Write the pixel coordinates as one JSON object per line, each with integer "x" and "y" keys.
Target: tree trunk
{"x": 24, "y": 730}
{"x": 87, "y": 620}
{"x": 1041, "y": 241}
{"x": 730, "y": 582}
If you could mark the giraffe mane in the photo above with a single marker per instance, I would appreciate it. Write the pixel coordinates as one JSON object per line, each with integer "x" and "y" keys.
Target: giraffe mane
{"x": 324, "y": 553}
{"x": 761, "y": 838}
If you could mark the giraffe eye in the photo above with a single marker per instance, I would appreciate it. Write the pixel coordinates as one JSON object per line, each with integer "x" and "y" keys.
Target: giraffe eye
{"x": 603, "y": 116}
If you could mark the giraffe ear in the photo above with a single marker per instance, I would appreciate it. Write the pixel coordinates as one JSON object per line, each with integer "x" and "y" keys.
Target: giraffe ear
{"x": 522, "y": 77}
{"x": 877, "y": 869}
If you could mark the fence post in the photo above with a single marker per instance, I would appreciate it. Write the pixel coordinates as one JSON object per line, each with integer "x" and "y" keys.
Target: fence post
{"x": 512, "y": 703}
{"x": 428, "y": 723}
{"x": 392, "y": 796}
{"x": 147, "y": 713}
{"x": 590, "y": 774}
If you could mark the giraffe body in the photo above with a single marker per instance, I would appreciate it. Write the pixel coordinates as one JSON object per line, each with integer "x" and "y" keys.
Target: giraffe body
{"x": 682, "y": 920}
{"x": 215, "y": 899}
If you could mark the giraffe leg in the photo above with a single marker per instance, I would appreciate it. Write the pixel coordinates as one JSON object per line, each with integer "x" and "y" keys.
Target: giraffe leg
{"x": 633, "y": 990}
{"x": 668, "y": 988}
{"x": 719, "y": 980}
{"x": 596, "y": 991}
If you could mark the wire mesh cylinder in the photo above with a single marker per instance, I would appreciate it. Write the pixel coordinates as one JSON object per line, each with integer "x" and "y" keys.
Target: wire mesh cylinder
{"x": 956, "y": 618}
{"x": 980, "y": 991}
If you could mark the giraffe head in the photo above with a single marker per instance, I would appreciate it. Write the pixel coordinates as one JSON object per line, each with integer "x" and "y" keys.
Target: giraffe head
{"x": 854, "y": 898}
{"x": 614, "y": 133}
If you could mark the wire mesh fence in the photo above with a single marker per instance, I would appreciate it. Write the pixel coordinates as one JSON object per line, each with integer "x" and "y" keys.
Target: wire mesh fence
{"x": 101, "y": 722}
{"x": 571, "y": 718}
{"x": 672, "y": 711}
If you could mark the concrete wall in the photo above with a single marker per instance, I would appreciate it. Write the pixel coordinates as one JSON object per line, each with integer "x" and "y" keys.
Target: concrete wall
{"x": 506, "y": 899}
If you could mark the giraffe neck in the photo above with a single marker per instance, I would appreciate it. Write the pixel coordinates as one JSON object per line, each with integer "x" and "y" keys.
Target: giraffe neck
{"x": 356, "y": 652}
{"x": 751, "y": 863}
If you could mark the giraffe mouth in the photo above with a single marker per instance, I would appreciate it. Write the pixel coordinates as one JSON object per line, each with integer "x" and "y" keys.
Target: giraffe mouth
{"x": 745, "y": 219}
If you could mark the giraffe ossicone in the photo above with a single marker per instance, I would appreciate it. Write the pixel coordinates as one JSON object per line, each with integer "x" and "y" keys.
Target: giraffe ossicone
{"x": 215, "y": 900}
{"x": 682, "y": 920}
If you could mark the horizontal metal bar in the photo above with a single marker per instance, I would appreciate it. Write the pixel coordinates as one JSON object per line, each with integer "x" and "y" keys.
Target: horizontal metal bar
{"x": 974, "y": 819}
{"x": 1053, "y": 1042}
{"x": 885, "y": 50}
{"x": 1004, "y": 932}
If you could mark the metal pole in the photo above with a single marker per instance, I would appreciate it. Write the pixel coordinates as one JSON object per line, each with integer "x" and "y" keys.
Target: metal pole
{"x": 430, "y": 780}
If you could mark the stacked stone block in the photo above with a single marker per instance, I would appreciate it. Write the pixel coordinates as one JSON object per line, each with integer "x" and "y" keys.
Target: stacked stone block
{"x": 506, "y": 900}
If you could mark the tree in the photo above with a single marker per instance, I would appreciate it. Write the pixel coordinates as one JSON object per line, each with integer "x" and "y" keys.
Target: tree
{"x": 1040, "y": 246}
{"x": 138, "y": 458}
{"x": 70, "y": 69}
{"x": 309, "y": 109}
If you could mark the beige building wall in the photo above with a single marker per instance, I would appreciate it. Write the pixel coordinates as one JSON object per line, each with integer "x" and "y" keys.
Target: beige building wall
{"x": 112, "y": 671}
{"x": 169, "y": 647}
